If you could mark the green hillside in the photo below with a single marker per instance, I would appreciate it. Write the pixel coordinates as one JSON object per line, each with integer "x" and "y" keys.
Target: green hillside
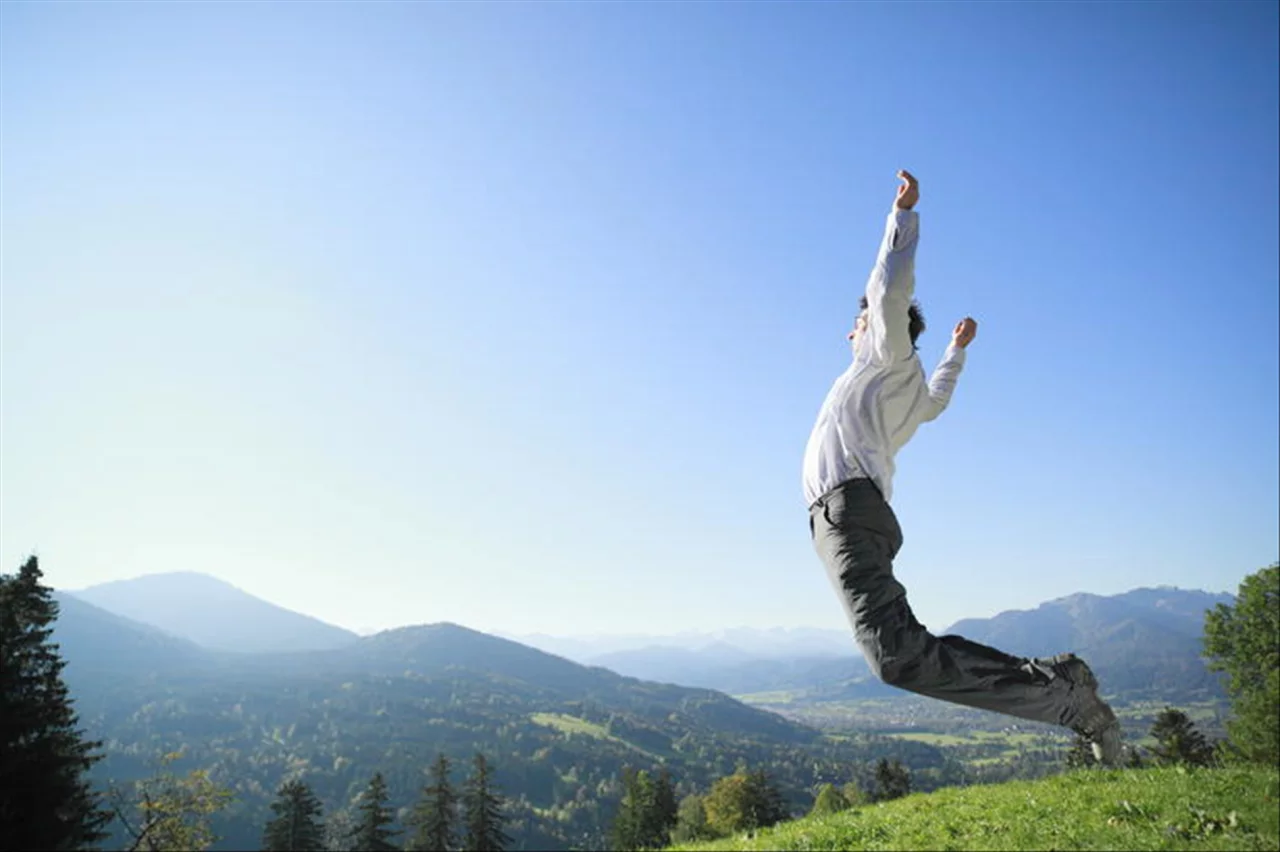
{"x": 1200, "y": 809}
{"x": 559, "y": 734}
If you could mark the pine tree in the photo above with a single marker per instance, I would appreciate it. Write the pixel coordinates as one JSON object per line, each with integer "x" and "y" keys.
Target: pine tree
{"x": 297, "y": 826}
{"x": 483, "y": 808}
{"x": 1080, "y": 755}
{"x": 372, "y": 832}
{"x": 767, "y": 805}
{"x": 666, "y": 809}
{"x": 1178, "y": 741}
{"x": 627, "y": 830}
{"x": 434, "y": 816}
{"x": 893, "y": 780}
{"x": 648, "y": 812}
{"x": 46, "y": 801}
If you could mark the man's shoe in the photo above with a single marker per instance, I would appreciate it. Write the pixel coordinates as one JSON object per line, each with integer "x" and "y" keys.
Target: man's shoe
{"x": 1093, "y": 718}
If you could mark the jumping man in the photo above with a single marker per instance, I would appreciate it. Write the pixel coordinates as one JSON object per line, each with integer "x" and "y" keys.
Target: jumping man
{"x": 872, "y": 410}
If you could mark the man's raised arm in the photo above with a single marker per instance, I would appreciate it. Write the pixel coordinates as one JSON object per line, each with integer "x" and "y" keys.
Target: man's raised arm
{"x": 943, "y": 381}
{"x": 893, "y": 279}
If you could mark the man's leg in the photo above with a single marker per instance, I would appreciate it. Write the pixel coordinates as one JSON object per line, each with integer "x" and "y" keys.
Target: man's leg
{"x": 857, "y": 537}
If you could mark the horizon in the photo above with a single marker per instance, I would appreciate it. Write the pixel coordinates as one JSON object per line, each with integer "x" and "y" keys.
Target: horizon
{"x": 519, "y": 315}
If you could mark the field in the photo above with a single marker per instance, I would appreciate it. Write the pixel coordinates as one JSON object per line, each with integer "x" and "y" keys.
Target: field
{"x": 573, "y": 726}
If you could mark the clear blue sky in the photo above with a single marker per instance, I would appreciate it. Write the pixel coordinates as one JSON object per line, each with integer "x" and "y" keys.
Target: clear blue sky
{"x": 519, "y": 315}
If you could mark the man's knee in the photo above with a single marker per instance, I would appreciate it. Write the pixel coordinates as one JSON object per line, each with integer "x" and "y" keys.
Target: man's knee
{"x": 895, "y": 672}
{"x": 895, "y": 645}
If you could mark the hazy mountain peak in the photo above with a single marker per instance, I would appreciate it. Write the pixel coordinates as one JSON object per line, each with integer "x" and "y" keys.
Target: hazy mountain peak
{"x": 214, "y": 613}
{"x": 97, "y": 643}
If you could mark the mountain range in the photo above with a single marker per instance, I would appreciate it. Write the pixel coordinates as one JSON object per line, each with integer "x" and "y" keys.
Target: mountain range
{"x": 1143, "y": 643}
{"x": 257, "y": 694}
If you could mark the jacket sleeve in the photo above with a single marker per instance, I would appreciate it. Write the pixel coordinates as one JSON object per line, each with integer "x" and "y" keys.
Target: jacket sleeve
{"x": 943, "y": 381}
{"x": 891, "y": 287}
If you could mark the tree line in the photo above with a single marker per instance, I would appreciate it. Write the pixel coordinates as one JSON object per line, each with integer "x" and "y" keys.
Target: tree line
{"x": 650, "y": 818}
{"x": 444, "y": 818}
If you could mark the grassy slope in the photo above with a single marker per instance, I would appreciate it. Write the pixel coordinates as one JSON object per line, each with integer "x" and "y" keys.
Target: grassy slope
{"x": 1204, "y": 809}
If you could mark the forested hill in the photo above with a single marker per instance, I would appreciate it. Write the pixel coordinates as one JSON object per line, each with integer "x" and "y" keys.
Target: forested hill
{"x": 557, "y": 733}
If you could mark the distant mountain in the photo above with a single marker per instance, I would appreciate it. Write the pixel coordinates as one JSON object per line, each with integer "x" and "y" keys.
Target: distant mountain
{"x": 93, "y": 639}
{"x": 214, "y": 614}
{"x": 1146, "y": 642}
{"x": 1143, "y": 644}
{"x": 558, "y": 734}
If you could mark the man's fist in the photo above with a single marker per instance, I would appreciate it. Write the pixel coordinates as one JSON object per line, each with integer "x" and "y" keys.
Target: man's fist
{"x": 909, "y": 192}
{"x": 966, "y": 331}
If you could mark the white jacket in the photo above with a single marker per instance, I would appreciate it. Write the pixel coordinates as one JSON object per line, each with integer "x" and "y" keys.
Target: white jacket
{"x": 877, "y": 404}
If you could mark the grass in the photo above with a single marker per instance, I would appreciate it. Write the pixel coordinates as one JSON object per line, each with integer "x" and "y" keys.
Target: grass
{"x": 1168, "y": 808}
{"x": 573, "y": 726}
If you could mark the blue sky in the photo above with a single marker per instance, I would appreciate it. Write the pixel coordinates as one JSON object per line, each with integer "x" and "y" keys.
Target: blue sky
{"x": 519, "y": 315}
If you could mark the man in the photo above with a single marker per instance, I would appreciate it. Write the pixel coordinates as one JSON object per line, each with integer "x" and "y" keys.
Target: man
{"x": 872, "y": 410}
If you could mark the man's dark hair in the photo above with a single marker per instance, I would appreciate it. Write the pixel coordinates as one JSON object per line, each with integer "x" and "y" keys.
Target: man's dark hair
{"x": 915, "y": 319}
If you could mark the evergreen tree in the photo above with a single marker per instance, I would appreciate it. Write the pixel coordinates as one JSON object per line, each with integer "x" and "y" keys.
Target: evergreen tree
{"x": 1243, "y": 640}
{"x": 893, "y": 780}
{"x": 1080, "y": 755}
{"x": 46, "y": 801}
{"x": 297, "y": 826}
{"x": 372, "y": 832}
{"x": 666, "y": 810}
{"x": 1178, "y": 741}
{"x": 483, "y": 808}
{"x": 648, "y": 811}
{"x": 768, "y": 806}
{"x": 434, "y": 816}
{"x": 627, "y": 831}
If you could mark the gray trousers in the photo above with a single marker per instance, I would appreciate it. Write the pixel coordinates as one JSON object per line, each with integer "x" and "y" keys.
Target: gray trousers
{"x": 857, "y": 537}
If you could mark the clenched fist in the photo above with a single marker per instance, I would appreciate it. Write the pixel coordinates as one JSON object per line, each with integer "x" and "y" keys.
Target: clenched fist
{"x": 966, "y": 330}
{"x": 909, "y": 192}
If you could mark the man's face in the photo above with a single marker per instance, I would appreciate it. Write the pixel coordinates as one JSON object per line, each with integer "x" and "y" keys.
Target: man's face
{"x": 859, "y": 330}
